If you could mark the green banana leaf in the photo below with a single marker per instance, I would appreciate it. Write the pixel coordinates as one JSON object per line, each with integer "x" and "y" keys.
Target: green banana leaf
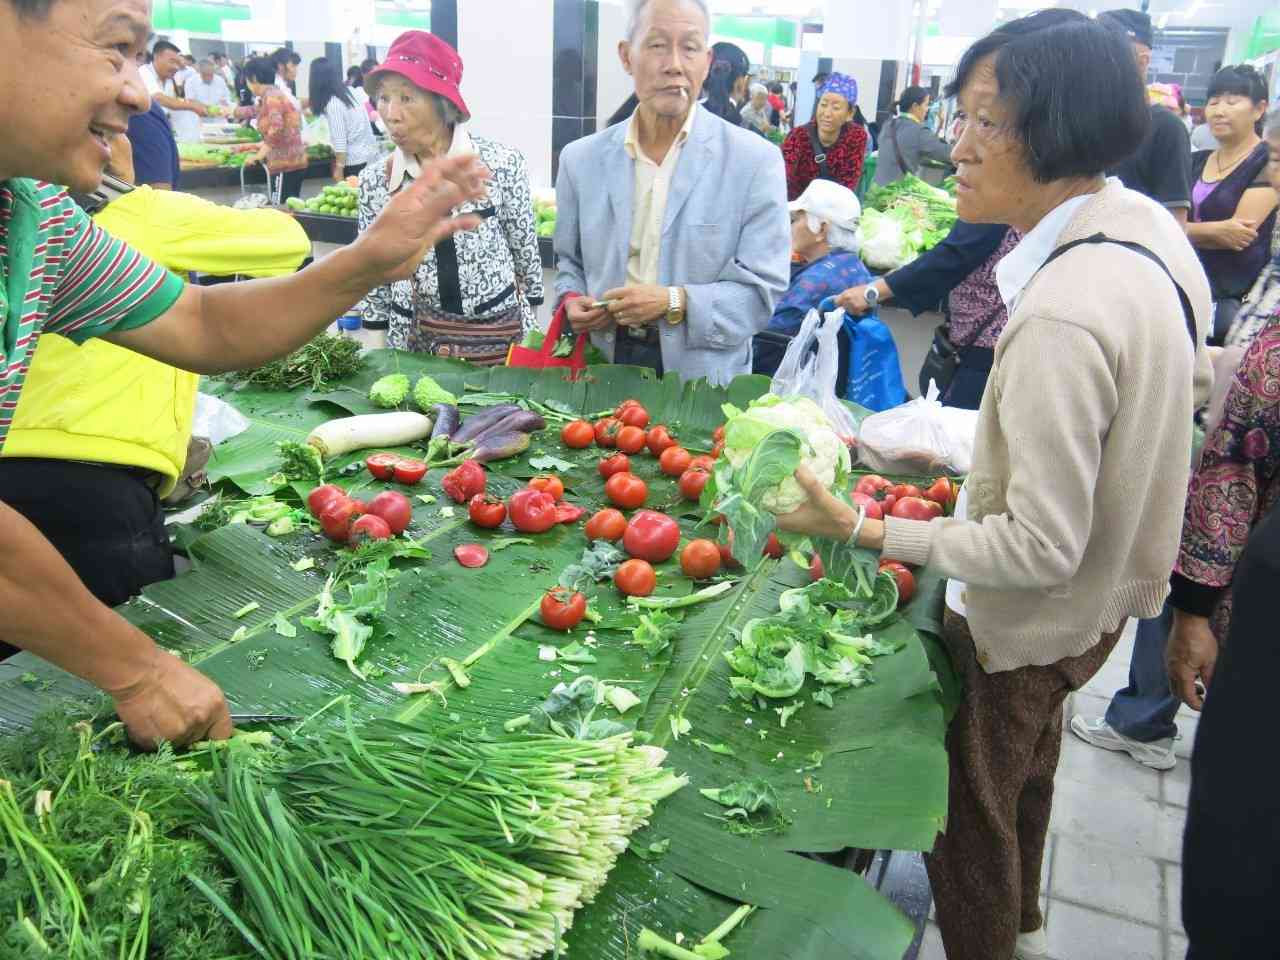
{"x": 880, "y": 782}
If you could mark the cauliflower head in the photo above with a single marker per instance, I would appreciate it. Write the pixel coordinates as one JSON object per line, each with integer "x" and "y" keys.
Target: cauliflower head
{"x": 824, "y": 452}
{"x": 389, "y": 391}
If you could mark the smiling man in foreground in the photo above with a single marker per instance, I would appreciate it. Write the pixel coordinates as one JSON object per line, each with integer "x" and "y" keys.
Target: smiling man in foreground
{"x": 70, "y": 70}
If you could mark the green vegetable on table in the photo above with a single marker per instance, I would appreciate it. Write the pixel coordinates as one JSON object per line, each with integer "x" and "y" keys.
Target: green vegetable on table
{"x": 390, "y": 391}
{"x": 352, "y": 621}
{"x": 427, "y": 393}
{"x": 317, "y": 365}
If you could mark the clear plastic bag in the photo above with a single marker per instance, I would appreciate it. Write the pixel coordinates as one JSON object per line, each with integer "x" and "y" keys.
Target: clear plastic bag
{"x": 805, "y": 372}
{"x": 921, "y": 437}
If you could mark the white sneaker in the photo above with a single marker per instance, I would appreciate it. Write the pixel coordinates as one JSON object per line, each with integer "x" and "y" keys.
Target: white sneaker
{"x": 1031, "y": 946}
{"x": 1158, "y": 755}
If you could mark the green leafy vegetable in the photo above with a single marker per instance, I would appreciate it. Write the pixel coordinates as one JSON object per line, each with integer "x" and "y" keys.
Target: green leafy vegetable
{"x": 427, "y": 393}
{"x": 598, "y": 563}
{"x": 688, "y": 600}
{"x": 351, "y": 621}
{"x": 317, "y": 365}
{"x": 656, "y": 631}
{"x": 301, "y": 461}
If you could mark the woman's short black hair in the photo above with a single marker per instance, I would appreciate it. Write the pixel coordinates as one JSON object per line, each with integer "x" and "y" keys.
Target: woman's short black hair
{"x": 355, "y": 76}
{"x": 1072, "y": 86}
{"x": 911, "y": 96}
{"x": 261, "y": 70}
{"x": 1243, "y": 81}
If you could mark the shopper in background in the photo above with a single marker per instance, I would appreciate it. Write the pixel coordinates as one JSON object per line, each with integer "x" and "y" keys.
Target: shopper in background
{"x": 1202, "y": 138}
{"x": 286, "y": 80}
{"x": 905, "y": 143}
{"x": 777, "y": 105}
{"x": 635, "y": 201}
{"x": 280, "y": 123}
{"x": 158, "y": 76}
{"x": 1161, "y": 167}
{"x": 831, "y": 146}
{"x": 474, "y": 295}
{"x": 1233, "y": 207}
{"x": 1061, "y": 532}
{"x": 726, "y": 84}
{"x": 224, "y": 68}
{"x": 960, "y": 272}
{"x": 755, "y": 115}
{"x": 208, "y": 87}
{"x": 349, "y": 129}
{"x": 155, "y": 152}
{"x": 824, "y": 261}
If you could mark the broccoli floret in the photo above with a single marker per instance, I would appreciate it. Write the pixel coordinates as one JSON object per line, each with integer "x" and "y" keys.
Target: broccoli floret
{"x": 389, "y": 392}
{"x": 427, "y": 393}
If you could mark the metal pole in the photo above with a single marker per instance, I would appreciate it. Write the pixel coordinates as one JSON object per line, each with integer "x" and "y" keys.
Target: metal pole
{"x": 922, "y": 27}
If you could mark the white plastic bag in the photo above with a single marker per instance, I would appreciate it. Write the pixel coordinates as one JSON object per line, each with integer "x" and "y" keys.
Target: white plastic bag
{"x": 806, "y": 373}
{"x": 921, "y": 437}
{"x": 216, "y": 419}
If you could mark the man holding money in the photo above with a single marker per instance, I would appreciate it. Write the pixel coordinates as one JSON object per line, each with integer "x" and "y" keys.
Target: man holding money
{"x": 680, "y": 266}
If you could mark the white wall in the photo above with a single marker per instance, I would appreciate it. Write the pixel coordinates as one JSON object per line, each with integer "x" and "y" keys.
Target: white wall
{"x": 613, "y": 85}
{"x": 506, "y": 54}
{"x": 867, "y": 73}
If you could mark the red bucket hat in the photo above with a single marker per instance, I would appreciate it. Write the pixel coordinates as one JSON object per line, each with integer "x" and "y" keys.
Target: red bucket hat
{"x": 427, "y": 62}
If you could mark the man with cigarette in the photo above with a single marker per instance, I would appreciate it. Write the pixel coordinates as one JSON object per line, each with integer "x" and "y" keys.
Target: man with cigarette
{"x": 677, "y": 267}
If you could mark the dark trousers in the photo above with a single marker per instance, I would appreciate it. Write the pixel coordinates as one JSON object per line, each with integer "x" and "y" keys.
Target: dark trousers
{"x": 291, "y": 184}
{"x": 105, "y": 521}
{"x": 1002, "y": 751}
{"x": 1230, "y": 878}
{"x": 970, "y": 380}
{"x": 638, "y": 351}
{"x": 353, "y": 169}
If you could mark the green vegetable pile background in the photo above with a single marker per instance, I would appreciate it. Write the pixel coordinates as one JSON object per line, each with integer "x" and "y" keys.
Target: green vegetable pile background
{"x": 869, "y": 770}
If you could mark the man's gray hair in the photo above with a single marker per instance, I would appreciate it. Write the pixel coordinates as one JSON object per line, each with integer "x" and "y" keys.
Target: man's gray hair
{"x": 838, "y": 237}
{"x": 207, "y": 62}
{"x": 636, "y": 9}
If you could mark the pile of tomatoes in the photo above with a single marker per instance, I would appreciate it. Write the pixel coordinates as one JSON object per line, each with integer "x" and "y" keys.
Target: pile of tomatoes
{"x": 884, "y": 498}
{"x": 347, "y": 520}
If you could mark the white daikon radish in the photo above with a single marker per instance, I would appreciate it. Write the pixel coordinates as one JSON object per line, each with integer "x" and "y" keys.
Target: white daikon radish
{"x": 338, "y": 437}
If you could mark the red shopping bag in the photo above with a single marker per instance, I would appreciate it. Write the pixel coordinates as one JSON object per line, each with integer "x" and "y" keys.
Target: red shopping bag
{"x": 543, "y": 358}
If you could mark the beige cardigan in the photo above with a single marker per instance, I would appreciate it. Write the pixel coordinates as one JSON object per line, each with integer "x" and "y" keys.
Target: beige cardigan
{"x": 1083, "y": 445}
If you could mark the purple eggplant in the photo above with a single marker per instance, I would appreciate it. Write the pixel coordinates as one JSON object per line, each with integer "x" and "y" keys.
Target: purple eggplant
{"x": 521, "y": 420}
{"x": 499, "y": 446}
{"x": 447, "y": 419}
{"x": 475, "y": 425}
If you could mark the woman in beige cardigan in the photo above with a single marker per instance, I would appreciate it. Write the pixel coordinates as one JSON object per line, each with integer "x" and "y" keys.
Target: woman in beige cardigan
{"x": 1069, "y": 521}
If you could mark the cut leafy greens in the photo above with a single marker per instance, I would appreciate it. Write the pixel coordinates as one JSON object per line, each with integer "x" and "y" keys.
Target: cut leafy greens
{"x": 569, "y": 712}
{"x": 598, "y": 563}
{"x": 300, "y": 461}
{"x": 547, "y": 461}
{"x": 351, "y": 622}
{"x": 656, "y": 631}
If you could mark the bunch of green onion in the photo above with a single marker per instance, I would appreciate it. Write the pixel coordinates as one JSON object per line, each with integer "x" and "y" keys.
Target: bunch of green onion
{"x": 394, "y": 841}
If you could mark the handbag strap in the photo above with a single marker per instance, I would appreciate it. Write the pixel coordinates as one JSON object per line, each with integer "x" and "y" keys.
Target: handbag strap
{"x": 1187, "y": 312}
{"x": 819, "y": 153}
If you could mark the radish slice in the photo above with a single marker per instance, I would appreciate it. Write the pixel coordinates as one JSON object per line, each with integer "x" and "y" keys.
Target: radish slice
{"x": 471, "y": 555}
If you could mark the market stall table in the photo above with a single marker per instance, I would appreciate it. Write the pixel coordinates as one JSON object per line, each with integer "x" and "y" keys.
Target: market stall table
{"x": 870, "y": 772}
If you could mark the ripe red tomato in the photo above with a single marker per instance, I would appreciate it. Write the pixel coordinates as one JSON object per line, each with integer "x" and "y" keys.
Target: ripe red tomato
{"x": 606, "y": 431}
{"x": 382, "y": 466}
{"x": 940, "y": 492}
{"x": 532, "y": 511}
{"x": 901, "y": 490}
{"x": 548, "y": 483}
{"x": 464, "y": 482}
{"x": 651, "y": 536}
{"x": 631, "y": 439}
{"x": 618, "y": 463}
{"x": 562, "y": 609}
{"x": 675, "y": 461}
{"x": 914, "y": 508}
{"x": 816, "y": 570}
{"x": 393, "y": 507}
{"x": 875, "y": 508}
{"x": 608, "y": 524}
{"x": 717, "y": 449}
{"x": 486, "y": 511}
{"x": 886, "y": 505}
{"x": 691, "y": 483}
{"x": 369, "y": 527}
{"x": 702, "y": 462}
{"x": 410, "y": 471}
{"x": 634, "y": 415}
{"x": 635, "y": 578}
{"x": 905, "y": 578}
{"x": 626, "y": 490}
{"x": 700, "y": 559}
{"x": 873, "y": 485}
{"x": 578, "y": 435}
{"x": 717, "y": 435}
{"x": 624, "y": 405}
{"x": 321, "y": 497}
{"x": 727, "y": 559}
{"x": 336, "y": 519}
{"x": 658, "y": 439}
{"x": 471, "y": 555}
{"x": 773, "y": 547}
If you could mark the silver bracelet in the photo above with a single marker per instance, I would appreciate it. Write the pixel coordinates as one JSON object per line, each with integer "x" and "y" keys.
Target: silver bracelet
{"x": 857, "y": 527}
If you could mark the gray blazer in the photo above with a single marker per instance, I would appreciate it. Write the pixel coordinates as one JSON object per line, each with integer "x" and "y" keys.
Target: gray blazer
{"x": 917, "y": 142}
{"x": 726, "y": 238}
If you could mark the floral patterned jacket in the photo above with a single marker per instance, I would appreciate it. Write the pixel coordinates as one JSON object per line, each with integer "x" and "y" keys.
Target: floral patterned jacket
{"x": 280, "y": 124}
{"x": 1236, "y": 484}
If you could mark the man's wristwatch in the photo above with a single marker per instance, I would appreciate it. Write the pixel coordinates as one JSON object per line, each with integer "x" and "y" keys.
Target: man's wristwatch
{"x": 675, "y": 305}
{"x": 872, "y": 296}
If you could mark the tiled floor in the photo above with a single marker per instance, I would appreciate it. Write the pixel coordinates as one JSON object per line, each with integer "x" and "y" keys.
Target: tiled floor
{"x": 1113, "y": 865}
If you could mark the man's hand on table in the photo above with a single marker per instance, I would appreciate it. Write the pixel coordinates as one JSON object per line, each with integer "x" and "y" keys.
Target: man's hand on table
{"x": 639, "y": 305}
{"x": 172, "y": 701}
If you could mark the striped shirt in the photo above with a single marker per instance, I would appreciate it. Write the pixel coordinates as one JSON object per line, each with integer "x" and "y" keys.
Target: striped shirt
{"x": 63, "y": 274}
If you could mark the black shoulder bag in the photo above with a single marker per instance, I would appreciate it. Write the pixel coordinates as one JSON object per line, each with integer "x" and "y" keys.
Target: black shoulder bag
{"x": 819, "y": 153}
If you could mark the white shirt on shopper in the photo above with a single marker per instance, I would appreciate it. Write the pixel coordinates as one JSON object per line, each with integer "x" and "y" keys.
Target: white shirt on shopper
{"x": 1013, "y": 273}
{"x": 350, "y": 132}
{"x": 215, "y": 93}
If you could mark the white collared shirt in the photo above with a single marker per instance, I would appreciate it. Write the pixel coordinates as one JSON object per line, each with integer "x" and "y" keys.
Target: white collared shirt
{"x": 649, "y": 208}
{"x": 403, "y": 164}
{"x": 151, "y": 80}
{"x": 1013, "y": 273}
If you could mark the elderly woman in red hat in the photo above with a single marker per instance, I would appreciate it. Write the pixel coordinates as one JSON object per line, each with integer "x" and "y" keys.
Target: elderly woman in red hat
{"x": 474, "y": 294}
